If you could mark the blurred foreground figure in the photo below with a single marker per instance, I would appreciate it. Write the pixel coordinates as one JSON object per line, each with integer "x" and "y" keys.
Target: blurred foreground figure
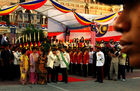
{"x": 128, "y": 24}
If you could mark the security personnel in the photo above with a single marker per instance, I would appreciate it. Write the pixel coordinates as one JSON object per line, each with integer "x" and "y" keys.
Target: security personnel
{"x": 85, "y": 62}
{"x": 79, "y": 61}
{"x": 122, "y": 62}
{"x": 64, "y": 64}
{"x": 114, "y": 64}
{"x": 99, "y": 64}
{"x": 74, "y": 65}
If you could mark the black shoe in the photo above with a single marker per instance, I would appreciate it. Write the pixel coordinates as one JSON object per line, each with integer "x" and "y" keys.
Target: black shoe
{"x": 100, "y": 82}
{"x": 61, "y": 81}
{"x": 53, "y": 81}
{"x": 96, "y": 81}
{"x": 48, "y": 81}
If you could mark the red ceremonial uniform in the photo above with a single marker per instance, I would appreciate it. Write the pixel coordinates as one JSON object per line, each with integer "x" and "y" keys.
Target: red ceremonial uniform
{"x": 71, "y": 56}
{"x": 86, "y": 57}
{"x": 74, "y": 60}
{"x": 80, "y": 45}
{"x": 79, "y": 57}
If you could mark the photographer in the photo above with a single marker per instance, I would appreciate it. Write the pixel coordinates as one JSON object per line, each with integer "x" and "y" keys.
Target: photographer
{"x": 114, "y": 63}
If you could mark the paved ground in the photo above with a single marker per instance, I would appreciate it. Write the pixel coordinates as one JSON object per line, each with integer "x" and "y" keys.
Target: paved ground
{"x": 132, "y": 84}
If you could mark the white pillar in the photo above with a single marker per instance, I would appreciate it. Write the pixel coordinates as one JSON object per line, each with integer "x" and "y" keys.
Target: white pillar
{"x": 10, "y": 17}
{"x": 44, "y": 19}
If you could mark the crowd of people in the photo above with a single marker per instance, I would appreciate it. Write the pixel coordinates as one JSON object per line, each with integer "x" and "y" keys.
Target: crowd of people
{"x": 43, "y": 64}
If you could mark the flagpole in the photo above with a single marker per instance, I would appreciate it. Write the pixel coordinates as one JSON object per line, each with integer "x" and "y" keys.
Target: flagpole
{"x": 19, "y": 39}
{"x": 23, "y": 38}
{"x": 26, "y": 37}
{"x": 30, "y": 37}
{"x": 34, "y": 36}
{"x": 38, "y": 36}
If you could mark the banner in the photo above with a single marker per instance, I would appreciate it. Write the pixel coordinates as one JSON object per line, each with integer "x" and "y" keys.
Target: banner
{"x": 101, "y": 30}
{"x": 81, "y": 19}
{"x": 60, "y": 7}
{"x": 33, "y": 4}
{"x": 8, "y": 10}
{"x": 107, "y": 19}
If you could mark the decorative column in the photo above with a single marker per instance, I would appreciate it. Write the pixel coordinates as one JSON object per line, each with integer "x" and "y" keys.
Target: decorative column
{"x": 44, "y": 20}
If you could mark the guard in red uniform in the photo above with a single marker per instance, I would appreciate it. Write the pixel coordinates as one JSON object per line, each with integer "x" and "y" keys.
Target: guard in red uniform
{"x": 79, "y": 61}
{"x": 85, "y": 62}
{"x": 74, "y": 61}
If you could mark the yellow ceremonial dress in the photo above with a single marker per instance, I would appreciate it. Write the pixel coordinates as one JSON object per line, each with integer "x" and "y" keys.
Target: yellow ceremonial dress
{"x": 23, "y": 67}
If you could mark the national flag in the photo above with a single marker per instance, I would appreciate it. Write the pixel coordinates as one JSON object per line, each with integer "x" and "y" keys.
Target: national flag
{"x": 31, "y": 45}
{"x": 27, "y": 45}
{"x": 93, "y": 28}
{"x": 35, "y": 44}
{"x": 20, "y": 45}
{"x": 23, "y": 45}
{"x": 39, "y": 44}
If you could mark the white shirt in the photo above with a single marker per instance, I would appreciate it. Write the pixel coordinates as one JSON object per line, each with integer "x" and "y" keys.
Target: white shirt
{"x": 17, "y": 56}
{"x": 100, "y": 58}
{"x": 91, "y": 57}
{"x": 4, "y": 39}
{"x": 67, "y": 58}
{"x": 51, "y": 59}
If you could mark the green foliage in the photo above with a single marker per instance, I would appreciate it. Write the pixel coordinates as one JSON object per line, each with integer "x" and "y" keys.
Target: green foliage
{"x": 31, "y": 30}
{"x": 6, "y": 19}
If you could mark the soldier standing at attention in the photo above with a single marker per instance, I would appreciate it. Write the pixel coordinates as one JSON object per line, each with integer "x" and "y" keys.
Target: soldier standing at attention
{"x": 79, "y": 61}
{"x": 99, "y": 64}
{"x": 85, "y": 62}
{"x": 74, "y": 61}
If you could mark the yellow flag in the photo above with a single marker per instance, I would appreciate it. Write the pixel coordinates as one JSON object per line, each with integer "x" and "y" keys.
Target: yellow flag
{"x": 30, "y": 37}
{"x": 23, "y": 38}
{"x": 26, "y": 37}
{"x": 38, "y": 36}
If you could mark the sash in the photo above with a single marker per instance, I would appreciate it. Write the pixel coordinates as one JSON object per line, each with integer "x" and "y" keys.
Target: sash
{"x": 67, "y": 64}
{"x": 26, "y": 58}
{"x": 58, "y": 58}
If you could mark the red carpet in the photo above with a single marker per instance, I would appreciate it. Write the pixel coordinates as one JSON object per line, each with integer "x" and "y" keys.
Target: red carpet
{"x": 71, "y": 79}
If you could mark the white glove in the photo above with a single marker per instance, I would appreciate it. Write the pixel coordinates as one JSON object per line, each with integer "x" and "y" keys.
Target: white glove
{"x": 86, "y": 63}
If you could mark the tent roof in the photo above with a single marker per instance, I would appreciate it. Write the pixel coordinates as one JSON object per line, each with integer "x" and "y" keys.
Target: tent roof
{"x": 67, "y": 19}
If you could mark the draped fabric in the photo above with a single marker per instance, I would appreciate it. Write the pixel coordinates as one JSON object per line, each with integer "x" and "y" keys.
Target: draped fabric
{"x": 102, "y": 22}
{"x": 8, "y": 10}
{"x": 81, "y": 19}
{"x": 107, "y": 19}
{"x": 63, "y": 9}
{"x": 33, "y": 5}
{"x": 60, "y": 7}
